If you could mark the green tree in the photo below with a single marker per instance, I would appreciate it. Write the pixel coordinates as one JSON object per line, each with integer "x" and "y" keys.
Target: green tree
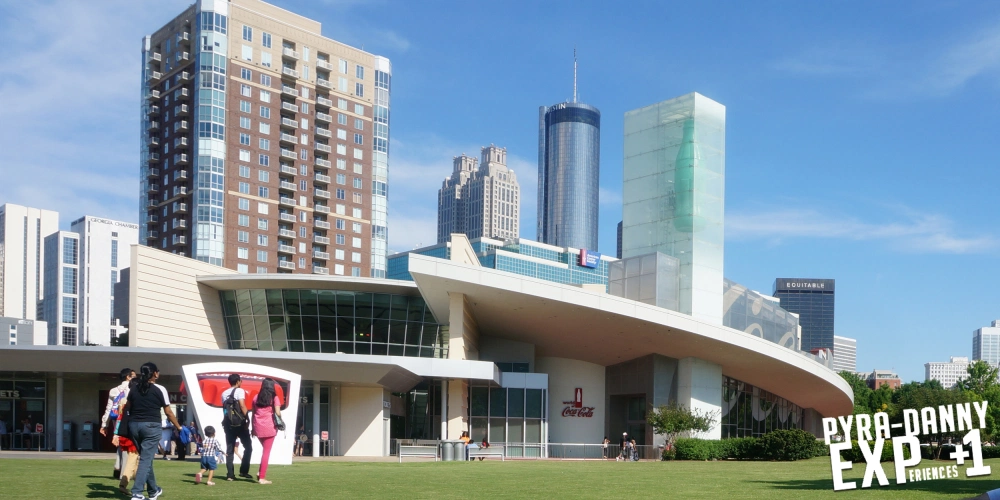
{"x": 982, "y": 377}
{"x": 673, "y": 419}
{"x": 862, "y": 393}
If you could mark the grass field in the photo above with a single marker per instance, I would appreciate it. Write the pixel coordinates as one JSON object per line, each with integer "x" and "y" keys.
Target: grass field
{"x": 38, "y": 478}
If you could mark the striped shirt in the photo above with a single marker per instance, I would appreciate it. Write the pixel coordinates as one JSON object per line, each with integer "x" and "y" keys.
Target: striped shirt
{"x": 209, "y": 447}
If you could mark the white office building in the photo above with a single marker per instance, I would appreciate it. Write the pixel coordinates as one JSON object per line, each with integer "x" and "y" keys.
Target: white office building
{"x": 947, "y": 373}
{"x": 986, "y": 343}
{"x": 22, "y": 265}
{"x": 845, "y": 354}
{"x": 83, "y": 266}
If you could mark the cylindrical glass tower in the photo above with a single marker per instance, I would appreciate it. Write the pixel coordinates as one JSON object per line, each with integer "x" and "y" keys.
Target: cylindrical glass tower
{"x": 569, "y": 152}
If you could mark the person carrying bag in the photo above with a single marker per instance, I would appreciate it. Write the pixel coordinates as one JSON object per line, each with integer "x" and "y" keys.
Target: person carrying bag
{"x": 267, "y": 422}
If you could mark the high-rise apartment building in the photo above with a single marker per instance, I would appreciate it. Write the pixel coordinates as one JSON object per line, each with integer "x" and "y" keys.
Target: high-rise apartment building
{"x": 957, "y": 368}
{"x": 22, "y": 259}
{"x": 63, "y": 288}
{"x": 986, "y": 343}
{"x": 480, "y": 202}
{"x": 674, "y": 195}
{"x": 845, "y": 354}
{"x": 813, "y": 300}
{"x": 264, "y": 144}
{"x": 569, "y": 163}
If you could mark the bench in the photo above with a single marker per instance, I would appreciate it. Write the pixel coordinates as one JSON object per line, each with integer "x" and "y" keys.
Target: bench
{"x": 418, "y": 451}
{"x": 487, "y": 453}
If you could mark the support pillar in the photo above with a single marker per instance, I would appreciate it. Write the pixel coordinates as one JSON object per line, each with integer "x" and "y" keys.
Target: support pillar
{"x": 699, "y": 387}
{"x": 316, "y": 399}
{"x": 59, "y": 413}
{"x": 444, "y": 408}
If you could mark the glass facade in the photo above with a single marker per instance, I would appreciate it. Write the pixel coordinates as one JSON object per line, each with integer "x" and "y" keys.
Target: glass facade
{"x": 750, "y": 312}
{"x": 507, "y": 415}
{"x": 380, "y": 169}
{"x": 332, "y": 321}
{"x": 569, "y": 151}
{"x": 751, "y": 411}
{"x": 674, "y": 187}
{"x": 22, "y": 399}
{"x": 813, "y": 301}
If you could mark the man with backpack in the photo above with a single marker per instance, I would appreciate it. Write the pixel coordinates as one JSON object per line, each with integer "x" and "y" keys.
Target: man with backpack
{"x": 237, "y": 426}
{"x": 116, "y": 397}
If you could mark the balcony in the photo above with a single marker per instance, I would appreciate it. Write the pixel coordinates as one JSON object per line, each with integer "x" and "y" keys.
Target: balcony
{"x": 181, "y": 110}
{"x": 320, "y": 193}
{"x": 180, "y": 240}
{"x": 288, "y": 153}
{"x": 287, "y": 233}
{"x": 287, "y": 106}
{"x": 185, "y": 76}
{"x": 153, "y": 188}
{"x": 180, "y": 223}
{"x": 324, "y": 83}
{"x": 323, "y": 163}
{"x": 154, "y": 110}
{"x": 152, "y": 219}
{"x": 184, "y": 37}
{"x": 181, "y": 159}
{"x": 288, "y": 185}
{"x": 323, "y": 147}
{"x": 184, "y": 56}
{"x": 285, "y": 89}
{"x": 322, "y": 101}
{"x": 324, "y": 64}
{"x": 323, "y": 132}
{"x": 154, "y": 125}
{"x": 155, "y": 56}
{"x": 320, "y": 270}
{"x": 181, "y": 142}
{"x": 322, "y": 240}
{"x": 180, "y": 190}
{"x": 153, "y": 94}
{"x": 321, "y": 255}
{"x": 288, "y": 122}
{"x": 154, "y": 157}
{"x": 289, "y": 138}
{"x": 182, "y": 174}
{"x": 154, "y": 172}
{"x": 324, "y": 117}
{"x": 152, "y": 234}
{"x": 290, "y": 202}
{"x": 287, "y": 217}
{"x": 290, "y": 53}
{"x": 286, "y": 264}
{"x": 184, "y": 124}
{"x": 288, "y": 169}
{"x": 289, "y": 72}
{"x": 321, "y": 224}
{"x": 153, "y": 141}
{"x": 152, "y": 203}
{"x": 322, "y": 178}
{"x": 154, "y": 76}
{"x": 286, "y": 249}
{"x": 184, "y": 94}
{"x": 182, "y": 208}
{"x": 323, "y": 209}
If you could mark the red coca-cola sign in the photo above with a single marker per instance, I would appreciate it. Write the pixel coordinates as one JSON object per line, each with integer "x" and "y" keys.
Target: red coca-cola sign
{"x": 575, "y": 408}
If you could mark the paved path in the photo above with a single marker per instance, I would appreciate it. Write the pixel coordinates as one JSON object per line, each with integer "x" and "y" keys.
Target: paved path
{"x": 80, "y": 455}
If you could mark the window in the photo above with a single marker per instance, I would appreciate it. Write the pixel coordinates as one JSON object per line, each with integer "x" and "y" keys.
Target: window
{"x": 246, "y": 74}
{"x": 356, "y": 242}
{"x": 69, "y": 310}
{"x": 243, "y": 253}
{"x": 265, "y": 112}
{"x": 341, "y": 239}
{"x": 343, "y": 66}
{"x": 341, "y": 149}
{"x": 340, "y": 224}
{"x": 341, "y": 134}
{"x": 244, "y": 139}
{"x": 262, "y": 208}
{"x": 264, "y": 144}
{"x": 244, "y": 122}
{"x": 245, "y": 90}
{"x": 264, "y": 160}
{"x": 305, "y": 72}
{"x": 355, "y": 271}
{"x": 265, "y": 80}
{"x": 69, "y": 280}
{"x": 356, "y": 212}
{"x": 357, "y": 182}
{"x": 242, "y": 268}
{"x": 247, "y": 53}
{"x": 265, "y": 96}
{"x": 245, "y": 106}
{"x": 244, "y": 155}
{"x": 355, "y": 256}
{"x": 342, "y": 118}
{"x": 359, "y": 89}
{"x": 244, "y": 205}
{"x": 302, "y": 262}
{"x": 245, "y": 187}
{"x": 262, "y": 240}
{"x": 248, "y": 33}
{"x": 341, "y": 179}
{"x": 342, "y": 104}
{"x": 265, "y": 39}
{"x": 339, "y": 254}
{"x": 305, "y": 108}
{"x": 265, "y": 59}
{"x": 261, "y": 270}
{"x": 341, "y": 194}
{"x": 304, "y": 154}
{"x": 262, "y": 192}
{"x": 338, "y": 269}
{"x": 359, "y": 124}
{"x": 261, "y": 257}
{"x": 341, "y": 164}
{"x": 359, "y": 109}
{"x": 304, "y": 170}
{"x": 303, "y": 185}
{"x": 263, "y": 175}
{"x": 305, "y": 54}
{"x": 359, "y": 72}
{"x": 359, "y": 154}
{"x": 244, "y": 171}
{"x": 357, "y": 168}
{"x": 342, "y": 84}
{"x": 359, "y": 139}
{"x": 356, "y": 227}
{"x": 265, "y": 128}
{"x": 262, "y": 224}
{"x": 244, "y": 220}
{"x": 243, "y": 236}
{"x": 358, "y": 199}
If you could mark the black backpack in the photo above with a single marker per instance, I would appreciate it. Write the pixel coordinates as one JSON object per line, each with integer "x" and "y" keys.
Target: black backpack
{"x": 232, "y": 416}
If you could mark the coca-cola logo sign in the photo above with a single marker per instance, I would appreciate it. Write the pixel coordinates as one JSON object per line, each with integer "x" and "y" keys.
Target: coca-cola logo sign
{"x": 575, "y": 408}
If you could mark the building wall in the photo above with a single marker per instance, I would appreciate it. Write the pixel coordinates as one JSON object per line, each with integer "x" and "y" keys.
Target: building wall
{"x": 507, "y": 351}
{"x": 814, "y": 301}
{"x": 699, "y": 387}
{"x": 105, "y": 249}
{"x": 565, "y": 376}
{"x": 64, "y": 288}
{"x": 17, "y": 331}
{"x": 845, "y": 354}
{"x": 22, "y": 259}
{"x": 361, "y": 426}
{"x": 986, "y": 343}
{"x": 163, "y": 289}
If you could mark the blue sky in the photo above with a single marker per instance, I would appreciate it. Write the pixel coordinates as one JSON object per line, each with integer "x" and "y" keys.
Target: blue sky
{"x": 861, "y": 137}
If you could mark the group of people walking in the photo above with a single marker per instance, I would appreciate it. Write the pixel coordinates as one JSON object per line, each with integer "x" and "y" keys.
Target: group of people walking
{"x": 627, "y": 449}
{"x": 133, "y": 418}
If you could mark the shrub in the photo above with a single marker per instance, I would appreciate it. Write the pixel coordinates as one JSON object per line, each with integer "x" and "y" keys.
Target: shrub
{"x": 792, "y": 444}
{"x": 855, "y": 455}
{"x": 745, "y": 448}
{"x": 694, "y": 449}
{"x": 669, "y": 454}
{"x": 989, "y": 452}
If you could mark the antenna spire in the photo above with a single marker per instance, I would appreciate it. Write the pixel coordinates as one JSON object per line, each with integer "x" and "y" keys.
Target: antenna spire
{"x": 574, "y": 74}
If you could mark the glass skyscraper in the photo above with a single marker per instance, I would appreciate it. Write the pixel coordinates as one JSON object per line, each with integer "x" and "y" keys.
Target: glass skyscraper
{"x": 674, "y": 194}
{"x": 569, "y": 152}
{"x": 813, "y": 300}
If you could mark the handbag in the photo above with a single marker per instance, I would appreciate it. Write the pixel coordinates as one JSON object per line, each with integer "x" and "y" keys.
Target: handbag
{"x": 279, "y": 424}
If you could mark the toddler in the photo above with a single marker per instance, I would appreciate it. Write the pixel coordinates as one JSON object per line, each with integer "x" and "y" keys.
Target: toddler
{"x": 210, "y": 448}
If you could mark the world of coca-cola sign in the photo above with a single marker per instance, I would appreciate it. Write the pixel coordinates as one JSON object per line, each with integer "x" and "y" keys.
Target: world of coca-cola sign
{"x": 575, "y": 407}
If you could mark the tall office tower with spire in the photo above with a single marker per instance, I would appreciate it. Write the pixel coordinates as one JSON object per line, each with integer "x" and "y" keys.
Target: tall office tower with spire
{"x": 264, "y": 144}
{"x": 481, "y": 201}
{"x": 673, "y": 193}
{"x": 22, "y": 259}
{"x": 569, "y": 160}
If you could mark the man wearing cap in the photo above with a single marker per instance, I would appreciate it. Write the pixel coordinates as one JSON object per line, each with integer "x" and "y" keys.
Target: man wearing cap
{"x": 621, "y": 447}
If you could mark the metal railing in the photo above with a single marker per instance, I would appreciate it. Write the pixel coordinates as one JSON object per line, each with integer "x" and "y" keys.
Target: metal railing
{"x": 552, "y": 451}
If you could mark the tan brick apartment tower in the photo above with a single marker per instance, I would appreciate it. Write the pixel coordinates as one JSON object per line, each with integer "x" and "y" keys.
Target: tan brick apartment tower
{"x": 264, "y": 144}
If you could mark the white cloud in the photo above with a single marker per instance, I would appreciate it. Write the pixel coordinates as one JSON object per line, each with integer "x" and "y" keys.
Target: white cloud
{"x": 914, "y": 232}
{"x": 610, "y": 198}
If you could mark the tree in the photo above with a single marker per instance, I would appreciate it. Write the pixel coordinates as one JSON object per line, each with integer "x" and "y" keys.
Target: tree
{"x": 982, "y": 377}
{"x": 673, "y": 419}
{"x": 862, "y": 393}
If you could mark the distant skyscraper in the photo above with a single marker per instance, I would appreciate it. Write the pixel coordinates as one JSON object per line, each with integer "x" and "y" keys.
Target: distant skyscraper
{"x": 480, "y": 202}
{"x": 948, "y": 373}
{"x": 569, "y": 153}
{"x": 813, "y": 300}
{"x": 845, "y": 354}
{"x": 674, "y": 187}
{"x": 986, "y": 343}
{"x": 22, "y": 259}
{"x": 264, "y": 145}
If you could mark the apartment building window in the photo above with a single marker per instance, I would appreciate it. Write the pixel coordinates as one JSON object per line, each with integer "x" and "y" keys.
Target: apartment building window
{"x": 245, "y": 106}
{"x": 265, "y": 59}
{"x": 356, "y": 212}
{"x": 264, "y": 144}
{"x": 341, "y": 149}
{"x": 263, "y": 208}
{"x": 357, "y": 182}
{"x": 245, "y": 90}
{"x": 262, "y": 192}
{"x": 248, "y": 33}
{"x": 243, "y": 220}
{"x": 341, "y": 179}
{"x": 342, "y": 84}
{"x": 341, "y": 224}
{"x": 261, "y": 270}
{"x": 341, "y": 119}
{"x": 357, "y": 198}
{"x": 264, "y": 160}
{"x": 338, "y": 254}
{"x": 341, "y": 134}
{"x": 244, "y": 187}
{"x": 262, "y": 240}
{"x": 341, "y": 239}
{"x": 302, "y": 231}
{"x": 265, "y": 112}
{"x": 359, "y": 154}
{"x": 303, "y": 154}
{"x": 341, "y": 194}
{"x": 305, "y": 108}
{"x": 243, "y": 236}
{"x": 265, "y": 39}
{"x": 341, "y": 164}
{"x": 244, "y": 139}
{"x": 343, "y": 66}
{"x": 305, "y": 72}
{"x": 243, "y": 253}
{"x": 69, "y": 335}
{"x": 244, "y": 171}
{"x": 355, "y": 271}
{"x": 302, "y": 262}
{"x": 263, "y": 175}
{"x": 244, "y": 203}
{"x": 358, "y": 168}
{"x": 246, "y": 74}
{"x": 265, "y": 96}
{"x": 359, "y": 89}
{"x": 359, "y": 109}
{"x": 69, "y": 310}
{"x": 304, "y": 170}
{"x": 244, "y": 155}
{"x": 262, "y": 224}
{"x": 244, "y": 122}
{"x": 261, "y": 257}
{"x": 246, "y": 53}
{"x": 265, "y": 80}
{"x": 359, "y": 72}
{"x": 265, "y": 128}
{"x": 359, "y": 124}
{"x": 359, "y": 139}
{"x": 356, "y": 227}
{"x": 342, "y": 104}
{"x": 242, "y": 269}
{"x": 355, "y": 256}
{"x": 69, "y": 280}
{"x": 303, "y": 185}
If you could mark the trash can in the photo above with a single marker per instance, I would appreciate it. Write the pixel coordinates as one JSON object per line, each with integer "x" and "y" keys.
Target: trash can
{"x": 447, "y": 451}
{"x": 67, "y": 433}
{"x": 87, "y": 436}
{"x": 460, "y": 451}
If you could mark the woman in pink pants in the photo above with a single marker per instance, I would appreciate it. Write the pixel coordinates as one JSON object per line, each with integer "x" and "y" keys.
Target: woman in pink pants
{"x": 266, "y": 404}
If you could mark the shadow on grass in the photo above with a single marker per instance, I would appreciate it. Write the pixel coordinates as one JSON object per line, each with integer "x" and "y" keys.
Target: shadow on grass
{"x": 954, "y": 486}
{"x": 98, "y": 490}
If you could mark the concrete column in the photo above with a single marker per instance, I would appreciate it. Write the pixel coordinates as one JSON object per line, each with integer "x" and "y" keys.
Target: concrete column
{"x": 444, "y": 408}
{"x": 699, "y": 387}
{"x": 59, "y": 413}
{"x": 458, "y": 403}
{"x": 316, "y": 420}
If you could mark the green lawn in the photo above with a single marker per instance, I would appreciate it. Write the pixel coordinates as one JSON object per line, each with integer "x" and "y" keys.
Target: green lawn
{"x": 38, "y": 478}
